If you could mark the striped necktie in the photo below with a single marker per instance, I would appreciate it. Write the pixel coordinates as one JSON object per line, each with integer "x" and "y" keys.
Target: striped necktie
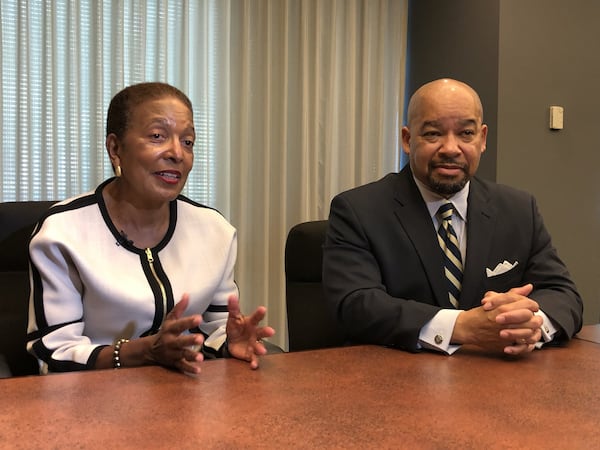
{"x": 452, "y": 259}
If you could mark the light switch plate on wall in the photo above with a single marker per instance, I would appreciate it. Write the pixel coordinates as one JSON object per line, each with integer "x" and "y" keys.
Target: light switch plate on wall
{"x": 556, "y": 117}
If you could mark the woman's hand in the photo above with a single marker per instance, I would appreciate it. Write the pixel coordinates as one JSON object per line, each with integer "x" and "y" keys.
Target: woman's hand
{"x": 243, "y": 333}
{"x": 173, "y": 349}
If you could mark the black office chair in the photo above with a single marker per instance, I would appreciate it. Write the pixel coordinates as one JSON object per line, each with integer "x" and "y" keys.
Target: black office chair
{"x": 311, "y": 324}
{"x": 17, "y": 220}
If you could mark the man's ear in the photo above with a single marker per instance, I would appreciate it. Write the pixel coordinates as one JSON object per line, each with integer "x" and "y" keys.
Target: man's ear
{"x": 484, "y": 130}
{"x": 406, "y": 140}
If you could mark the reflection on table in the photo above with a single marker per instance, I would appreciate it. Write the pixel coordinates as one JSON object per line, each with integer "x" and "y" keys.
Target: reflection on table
{"x": 353, "y": 397}
{"x": 590, "y": 333}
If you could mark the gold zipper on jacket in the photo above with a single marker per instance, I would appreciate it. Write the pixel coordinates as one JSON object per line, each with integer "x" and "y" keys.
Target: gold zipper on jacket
{"x": 162, "y": 288}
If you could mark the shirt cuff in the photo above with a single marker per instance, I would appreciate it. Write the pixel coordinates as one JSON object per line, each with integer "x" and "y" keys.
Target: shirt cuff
{"x": 437, "y": 333}
{"x": 548, "y": 329}
{"x": 216, "y": 340}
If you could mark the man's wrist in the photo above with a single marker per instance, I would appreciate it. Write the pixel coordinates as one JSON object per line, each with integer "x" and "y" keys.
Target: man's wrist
{"x": 548, "y": 328}
{"x": 437, "y": 333}
{"x": 459, "y": 334}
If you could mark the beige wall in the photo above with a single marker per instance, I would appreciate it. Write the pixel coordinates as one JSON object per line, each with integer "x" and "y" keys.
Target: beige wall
{"x": 548, "y": 56}
{"x": 523, "y": 56}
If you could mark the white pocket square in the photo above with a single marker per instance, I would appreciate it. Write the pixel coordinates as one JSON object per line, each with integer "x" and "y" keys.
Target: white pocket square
{"x": 501, "y": 268}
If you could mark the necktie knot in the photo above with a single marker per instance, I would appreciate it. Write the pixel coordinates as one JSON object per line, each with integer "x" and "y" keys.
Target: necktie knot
{"x": 445, "y": 211}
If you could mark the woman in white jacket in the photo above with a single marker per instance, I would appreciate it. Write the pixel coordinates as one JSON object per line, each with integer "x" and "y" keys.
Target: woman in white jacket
{"x": 135, "y": 273}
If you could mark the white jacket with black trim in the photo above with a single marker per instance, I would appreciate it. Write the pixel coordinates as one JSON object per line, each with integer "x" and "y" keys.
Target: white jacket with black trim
{"x": 91, "y": 287}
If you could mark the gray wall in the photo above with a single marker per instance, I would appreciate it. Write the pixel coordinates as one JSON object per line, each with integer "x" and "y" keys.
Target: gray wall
{"x": 549, "y": 56}
{"x": 524, "y": 56}
{"x": 458, "y": 39}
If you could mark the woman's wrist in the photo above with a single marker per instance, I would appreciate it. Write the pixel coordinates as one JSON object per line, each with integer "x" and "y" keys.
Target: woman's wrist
{"x": 116, "y": 359}
{"x": 132, "y": 353}
{"x": 225, "y": 349}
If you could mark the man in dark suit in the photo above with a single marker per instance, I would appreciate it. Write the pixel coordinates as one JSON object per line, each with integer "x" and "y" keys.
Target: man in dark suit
{"x": 388, "y": 268}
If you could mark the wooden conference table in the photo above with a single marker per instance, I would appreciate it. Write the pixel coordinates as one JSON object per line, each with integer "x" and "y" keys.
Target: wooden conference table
{"x": 353, "y": 397}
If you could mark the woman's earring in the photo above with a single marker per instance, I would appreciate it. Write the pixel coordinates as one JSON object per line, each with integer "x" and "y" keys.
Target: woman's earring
{"x": 118, "y": 171}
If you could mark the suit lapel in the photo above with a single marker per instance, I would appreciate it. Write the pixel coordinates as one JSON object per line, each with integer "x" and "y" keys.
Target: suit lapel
{"x": 481, "y": 221}
{"x": 414, "y": 217}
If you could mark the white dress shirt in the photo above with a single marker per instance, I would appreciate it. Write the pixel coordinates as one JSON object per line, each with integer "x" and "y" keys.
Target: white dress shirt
{"x": 437, "y": 333}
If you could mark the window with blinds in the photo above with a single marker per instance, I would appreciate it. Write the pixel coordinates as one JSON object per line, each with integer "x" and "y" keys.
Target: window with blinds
{"x": 62, "y": 61}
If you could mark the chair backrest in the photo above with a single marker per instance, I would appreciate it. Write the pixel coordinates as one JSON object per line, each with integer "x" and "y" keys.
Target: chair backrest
{"x": 17, "y": 220}
{"x": 311, "y": 324}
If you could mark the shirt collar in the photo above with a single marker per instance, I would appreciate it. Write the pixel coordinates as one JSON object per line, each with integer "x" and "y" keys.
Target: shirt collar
{"x": 434, "y": 201}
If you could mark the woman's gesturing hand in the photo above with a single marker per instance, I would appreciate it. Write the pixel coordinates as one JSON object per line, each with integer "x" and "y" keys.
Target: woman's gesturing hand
{"x": 172, "y": 348}
{"x": 244, "y": 334}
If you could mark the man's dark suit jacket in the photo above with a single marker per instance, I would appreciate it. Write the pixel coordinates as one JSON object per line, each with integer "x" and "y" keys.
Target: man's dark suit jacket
{"x": 383, "y": 269}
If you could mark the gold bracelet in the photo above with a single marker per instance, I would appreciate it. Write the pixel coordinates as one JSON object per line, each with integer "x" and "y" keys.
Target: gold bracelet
{"x": 117, "y": 353}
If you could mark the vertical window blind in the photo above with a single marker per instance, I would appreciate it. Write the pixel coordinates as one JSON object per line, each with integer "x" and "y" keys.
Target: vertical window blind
{"x": 61, "y": 63}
